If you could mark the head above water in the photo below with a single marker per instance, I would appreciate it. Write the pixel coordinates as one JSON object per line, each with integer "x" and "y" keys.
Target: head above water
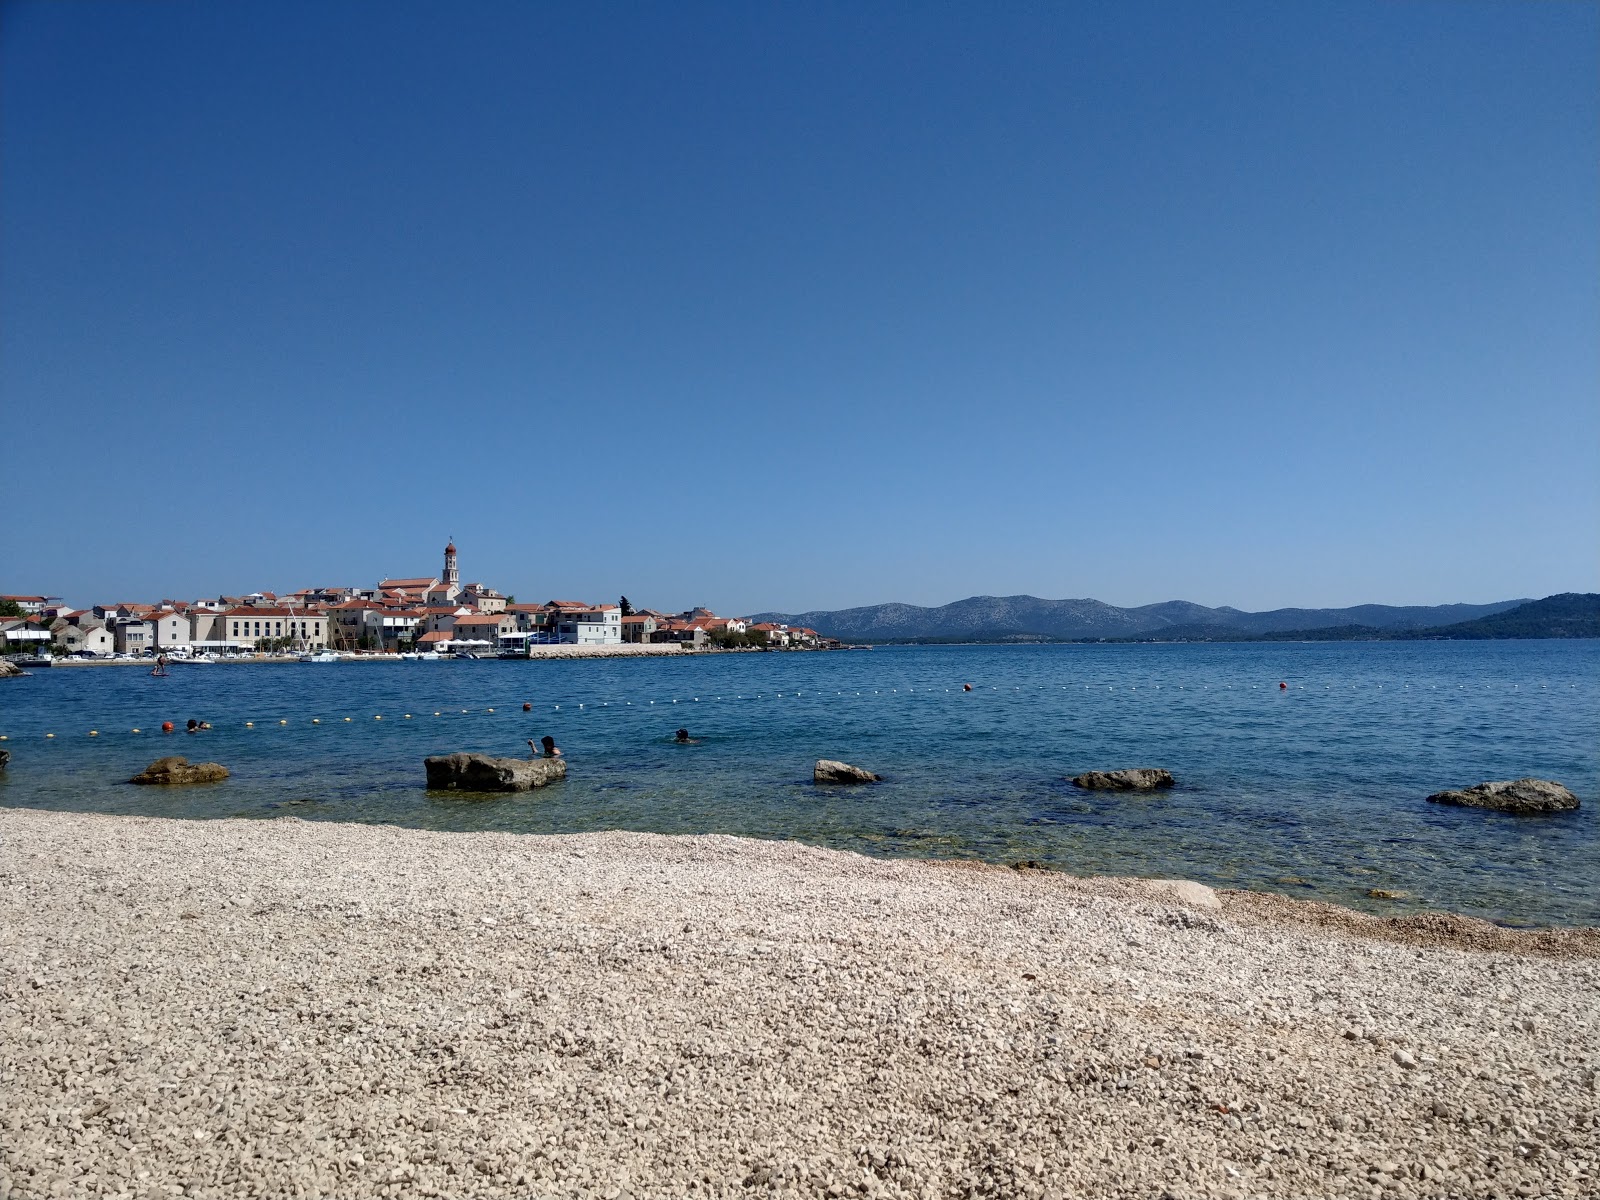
{"x": 549, "y": 744}
{"x": 683, "y": 735}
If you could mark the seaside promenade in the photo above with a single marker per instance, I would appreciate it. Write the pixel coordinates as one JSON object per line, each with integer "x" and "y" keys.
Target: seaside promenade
{"x": 283, "y": 1008}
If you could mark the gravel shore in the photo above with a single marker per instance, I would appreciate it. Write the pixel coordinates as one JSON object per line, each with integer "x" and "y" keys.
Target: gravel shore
{"x": 282, "y": 1008}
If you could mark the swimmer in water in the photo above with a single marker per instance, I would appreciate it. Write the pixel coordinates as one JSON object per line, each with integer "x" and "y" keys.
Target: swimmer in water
{"x": 548, "y": 747}
{"x": 683, "y": 739}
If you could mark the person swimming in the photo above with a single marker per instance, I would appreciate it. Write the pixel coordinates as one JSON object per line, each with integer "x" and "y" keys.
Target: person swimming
{"x": 683, "y": 739}
{"x": 548, "y": 747}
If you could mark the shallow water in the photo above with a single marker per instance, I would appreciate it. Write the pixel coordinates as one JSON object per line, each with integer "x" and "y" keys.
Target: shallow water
{"x": 1314, "y": 791}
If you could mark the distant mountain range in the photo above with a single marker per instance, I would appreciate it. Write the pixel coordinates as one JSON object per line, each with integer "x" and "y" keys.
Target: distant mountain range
{"x": 1028, "y": 618}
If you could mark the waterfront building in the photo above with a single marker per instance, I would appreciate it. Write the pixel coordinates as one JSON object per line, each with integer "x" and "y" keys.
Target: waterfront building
{"x": 91, "y": 637}
{"x": 169, "y": 630}
{"x": 639, "y": 628}
{"x": 484, "y": 627}
{"x": 577, "y": 624}
{"x": 304, "y": 628}
{"x": 132, "y": 635}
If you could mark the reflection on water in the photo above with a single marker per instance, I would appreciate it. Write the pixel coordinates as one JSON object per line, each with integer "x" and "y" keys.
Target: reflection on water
{"x": 1315, "y": 791}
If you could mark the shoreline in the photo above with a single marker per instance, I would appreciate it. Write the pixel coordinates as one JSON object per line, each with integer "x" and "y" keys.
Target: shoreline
{"x": 626, "y": 650}
{"x": 286, "y": 1007}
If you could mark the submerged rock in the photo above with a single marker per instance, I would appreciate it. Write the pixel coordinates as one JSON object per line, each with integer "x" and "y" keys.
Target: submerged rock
{"x": 484, "y": 773}
{"x": 830, "y": 770}
{"x": 173, "y": 771}
{"x": 1134, "y": 779}
{"x": 1524, "y": 797}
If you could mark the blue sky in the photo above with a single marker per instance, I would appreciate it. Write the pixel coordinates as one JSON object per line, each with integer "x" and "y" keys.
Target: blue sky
{"x": 805, "y": 305}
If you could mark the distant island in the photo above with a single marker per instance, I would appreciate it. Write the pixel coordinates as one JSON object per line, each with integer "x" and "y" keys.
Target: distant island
{"x": 1017, "y": 619}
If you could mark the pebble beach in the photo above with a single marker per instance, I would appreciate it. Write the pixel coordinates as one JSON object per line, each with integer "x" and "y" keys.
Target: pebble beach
{"x": 284, "y": 1008}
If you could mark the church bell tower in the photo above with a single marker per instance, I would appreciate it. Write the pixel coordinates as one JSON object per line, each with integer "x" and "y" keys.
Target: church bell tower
{"x": 452, "y": 576}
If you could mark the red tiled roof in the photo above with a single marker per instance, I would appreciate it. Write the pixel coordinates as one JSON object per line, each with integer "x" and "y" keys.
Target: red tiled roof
{"x": 430, "y": 581}
{"x": 438, "y": 635}
{"x": 485, "y": 619}
{"x": 272, "y": 612}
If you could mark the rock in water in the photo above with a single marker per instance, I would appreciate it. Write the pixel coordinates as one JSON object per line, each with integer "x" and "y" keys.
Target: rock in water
{"x": 1525, "y": 797}
{"x": 5, "y": 757}
{"x": 483, "y": 773}
{"x": 175, "y": 770}
{"x": 1134, "y": 779}
{"x": 8, "y": 669}
{"x": 830, "y": 770}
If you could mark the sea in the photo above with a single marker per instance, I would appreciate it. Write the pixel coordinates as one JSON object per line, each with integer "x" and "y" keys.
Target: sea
{"x": 1302, "y": 768}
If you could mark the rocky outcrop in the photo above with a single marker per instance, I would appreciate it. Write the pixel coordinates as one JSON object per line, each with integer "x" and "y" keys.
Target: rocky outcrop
{"x": 5, "y": 758}
{"x": 1524, "y": 797}
{"x": 830, "y": 770}
{"x": 484, "y": 773}
{"x": 8, "y": 669}
{"x": 174, "y": 771}
{"x": 1134, "y": 779}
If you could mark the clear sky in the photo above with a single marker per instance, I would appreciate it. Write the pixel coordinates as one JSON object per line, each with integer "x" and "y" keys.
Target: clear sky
{"x": 800, "y": 306}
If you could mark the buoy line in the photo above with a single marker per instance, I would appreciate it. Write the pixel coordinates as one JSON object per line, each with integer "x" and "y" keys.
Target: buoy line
{"x": 589, "y": 706}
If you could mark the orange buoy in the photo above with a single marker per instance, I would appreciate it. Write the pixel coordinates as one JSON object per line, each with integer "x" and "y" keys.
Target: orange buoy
{"x": 526, "y": 707}
{"x": 966, "y": 687}
{"x": 1283, "y": 687}
{"x": 166, "y": 727}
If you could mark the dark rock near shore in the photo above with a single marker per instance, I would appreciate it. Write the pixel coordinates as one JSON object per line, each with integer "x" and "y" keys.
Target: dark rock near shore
{"x": 1134, "y": 779}
{"x": 9, "y": 669}
{"x": 483, "y": 773}
{"x": 175, "y": 771}
{"x": 830, "y": 770}
{"x": 1524, "y": 797}
{"x": 5, "y": 757}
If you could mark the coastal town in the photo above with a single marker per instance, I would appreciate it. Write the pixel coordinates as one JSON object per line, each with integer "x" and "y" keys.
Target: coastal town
{"x": 433, "y": 616}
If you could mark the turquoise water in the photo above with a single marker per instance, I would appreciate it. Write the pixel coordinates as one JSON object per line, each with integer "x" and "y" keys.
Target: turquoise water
{"x": 1316, "y": 791}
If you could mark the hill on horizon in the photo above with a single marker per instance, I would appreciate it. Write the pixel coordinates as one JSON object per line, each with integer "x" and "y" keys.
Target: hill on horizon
{"x": 995, "y": 618}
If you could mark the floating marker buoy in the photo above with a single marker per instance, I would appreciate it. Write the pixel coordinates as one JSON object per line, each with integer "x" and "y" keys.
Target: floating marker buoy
{"x": 49, "y": 735}
{"x": 408, "y": 716}
{"x": 377, "y": 717}
{"x": 966, "y": 687}
{"x": 131, "y": 731}
{"x": 438, "y": 714}
{"x": 94, "y": 733}
{"x": 526, "y": 707}
{"x": 283, "y": 722}
{"x": 316, "y": 720}
{"x": 491, "y": 710}
{"x": 1283, "y": 687}
{"x": 166, "y": 727}
{"x": 347, "y": 720}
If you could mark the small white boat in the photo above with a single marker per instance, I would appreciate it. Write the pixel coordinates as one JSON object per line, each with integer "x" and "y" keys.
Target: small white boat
{"x": 321, "y": 656}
